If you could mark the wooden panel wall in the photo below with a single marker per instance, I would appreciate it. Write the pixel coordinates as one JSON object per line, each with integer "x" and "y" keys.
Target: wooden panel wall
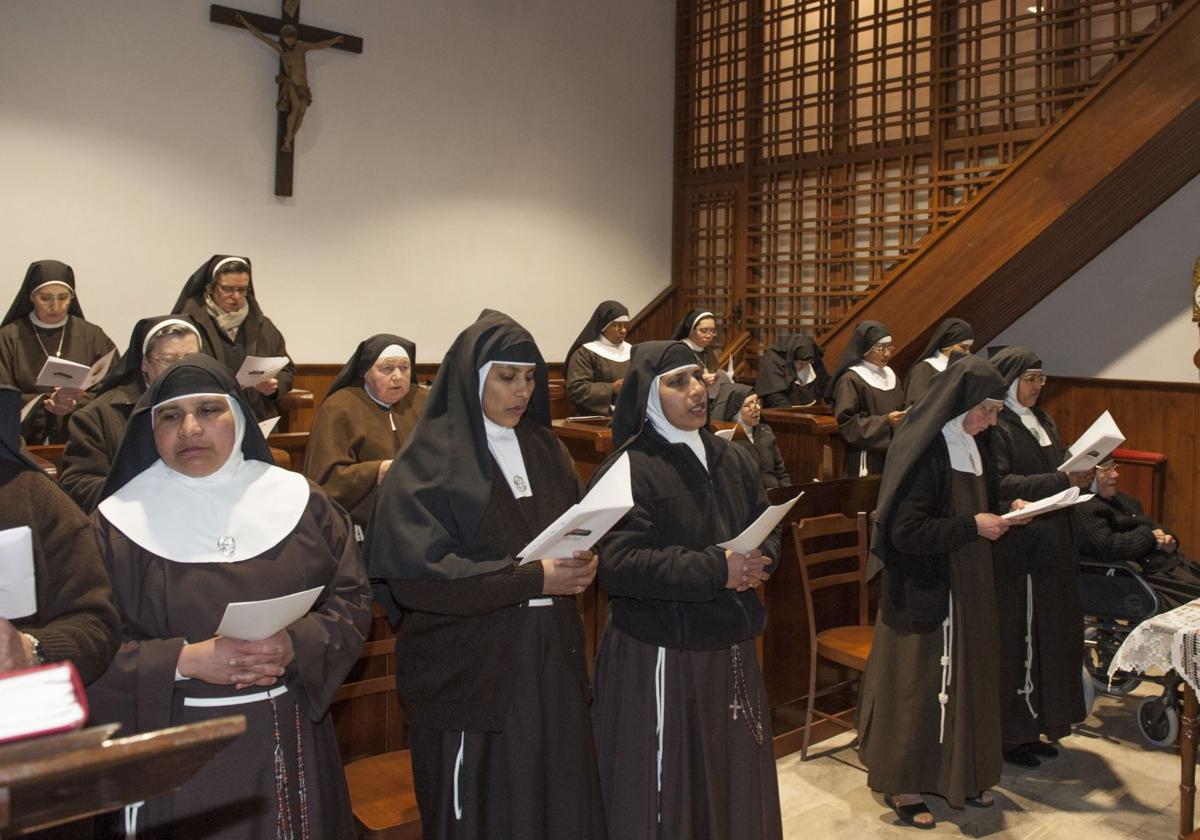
{"x": 1155, "y": 416}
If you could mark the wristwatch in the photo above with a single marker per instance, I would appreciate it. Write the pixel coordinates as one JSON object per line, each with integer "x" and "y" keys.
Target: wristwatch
{"x": 36, "y": 646}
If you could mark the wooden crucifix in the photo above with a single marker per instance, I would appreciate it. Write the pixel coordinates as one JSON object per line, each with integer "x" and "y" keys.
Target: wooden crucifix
{"x": 295, "y": 96}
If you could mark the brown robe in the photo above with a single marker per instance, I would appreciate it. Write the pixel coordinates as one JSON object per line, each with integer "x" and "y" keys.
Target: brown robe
{"x": 861, "y": 414}
{"x": 93, "y": 434}
{"x": 165, "y": 604}
{"x": 589, "y": 381}
{"x": 24, "y": 348}
{"x": 350, "y": 436}
{"x": 76, "y": 619}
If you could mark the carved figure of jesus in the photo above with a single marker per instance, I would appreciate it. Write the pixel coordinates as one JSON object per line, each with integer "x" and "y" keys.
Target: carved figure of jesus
{"x": 294, "y": 93}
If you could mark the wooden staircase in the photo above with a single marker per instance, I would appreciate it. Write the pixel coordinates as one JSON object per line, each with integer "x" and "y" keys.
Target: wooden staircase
{"x": 1123, "y": 150}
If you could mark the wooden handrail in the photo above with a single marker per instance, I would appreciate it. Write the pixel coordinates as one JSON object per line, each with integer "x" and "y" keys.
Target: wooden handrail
{"x": 656, "y": 318}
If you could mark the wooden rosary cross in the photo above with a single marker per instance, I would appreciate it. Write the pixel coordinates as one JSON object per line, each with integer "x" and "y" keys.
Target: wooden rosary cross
{"x": 295, "y": 41}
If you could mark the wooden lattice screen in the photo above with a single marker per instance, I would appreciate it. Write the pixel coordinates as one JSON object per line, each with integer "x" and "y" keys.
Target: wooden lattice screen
{"x": 819, "y": 142}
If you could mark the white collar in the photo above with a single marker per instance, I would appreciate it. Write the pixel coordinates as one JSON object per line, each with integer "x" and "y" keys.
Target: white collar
{"x": 613, "y": 352}
{"x": 938, "y": 361}
{"x": 964, "y": 453}
{"x": 804, "y": 379}
{"x": 669, "y": 431}
{"x": 1028, "y": 419}
{"x": 226, "y": 518}
{"x": 879, "y": 378}
{"x": 503, "y": 444}
{"x": 37, "y": 322}
{"x": 696, "y": 348}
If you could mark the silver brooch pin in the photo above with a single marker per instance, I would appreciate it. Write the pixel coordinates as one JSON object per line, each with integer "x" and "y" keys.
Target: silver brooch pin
{"x": 226, "y": 545}
{"x": 520, "y": 483}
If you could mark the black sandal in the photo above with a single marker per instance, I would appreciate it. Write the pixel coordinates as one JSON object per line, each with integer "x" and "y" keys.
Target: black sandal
{"x": 908, "y": 813}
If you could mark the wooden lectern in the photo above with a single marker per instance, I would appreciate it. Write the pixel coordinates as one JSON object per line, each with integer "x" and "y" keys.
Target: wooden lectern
{"x": 59, "y": 778}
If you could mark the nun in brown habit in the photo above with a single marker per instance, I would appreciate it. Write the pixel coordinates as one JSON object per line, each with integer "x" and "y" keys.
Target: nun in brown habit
{"x": 94, "y": 431}
{"x": 489, "y": 655}
{"x": 368, "y": 413}
{"x": 867, "y": 399}
{"x": 928, "y": 716}
{"x": 45, "y": 320}
{"x": 596, "y": 362}
{"x": 220, "y": 297}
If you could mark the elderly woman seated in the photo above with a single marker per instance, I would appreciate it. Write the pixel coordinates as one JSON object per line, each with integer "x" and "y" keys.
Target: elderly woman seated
{"x": 1113, "y": 528}
{"x": 738, "y": 403}
{"x": 368, "y": 413}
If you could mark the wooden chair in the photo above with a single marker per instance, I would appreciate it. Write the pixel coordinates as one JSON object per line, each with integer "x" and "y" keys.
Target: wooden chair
{"x": 825, "y": 545}
{"x": 370, "y": 727}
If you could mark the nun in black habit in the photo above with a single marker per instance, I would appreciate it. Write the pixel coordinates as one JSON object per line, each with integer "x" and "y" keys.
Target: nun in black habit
{"x": 220, "y": 297}
{"x": 94, "y": 431}
{"x": 928, "y": 716}
{"x": 489, "y": 655}
{"x": 867, "y": 399}
{"x": 1041, "y": 619}
{"x": 739, "y": 404}
{"x": 597, "y": 361}
{"x": 46, "y": 320}
{"x": 792, "y": 373}
{"x": 952, "y": 335}
{"x": 681, "y": 715}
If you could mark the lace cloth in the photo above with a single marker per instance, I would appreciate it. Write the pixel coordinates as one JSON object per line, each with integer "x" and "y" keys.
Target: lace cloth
{"x": 1169, "y": 641}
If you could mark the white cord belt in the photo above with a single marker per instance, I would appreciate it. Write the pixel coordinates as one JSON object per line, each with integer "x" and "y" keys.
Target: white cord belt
{"x": 947, "y": 667}
{"x": 458, "y": 765}
{"x": 236, "y": 700}
{"x": 1027, "y": 689}
{"x": 660, "y": 698}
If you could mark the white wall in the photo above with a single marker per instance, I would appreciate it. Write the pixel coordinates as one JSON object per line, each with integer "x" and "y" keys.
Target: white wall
{"x": 506, "y": 153}
{"x": 1126, "y": 314}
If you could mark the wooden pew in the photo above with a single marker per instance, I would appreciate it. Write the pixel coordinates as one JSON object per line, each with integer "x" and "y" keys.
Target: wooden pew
{"x": 808, "y": 441}
{"x": 588, "y": 441}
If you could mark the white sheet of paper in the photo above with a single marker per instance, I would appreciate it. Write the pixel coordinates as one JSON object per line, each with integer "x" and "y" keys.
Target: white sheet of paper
{"x": 253, "y": 621}
{"x": 1094, "y": 445}
{"x": 726, "y": 434}
{"x": 583, "y": 524}
{"x": 267, "y": 426}
{"x": 257, "y": 369}
{"x": 18, "y": 592}
{"x": 1068, "y": 497}
{"x": 99, "y": 370}
{"x": 63, "y": 373}
{"x": 29, "y": 406}
{"x": 760, "y": 528}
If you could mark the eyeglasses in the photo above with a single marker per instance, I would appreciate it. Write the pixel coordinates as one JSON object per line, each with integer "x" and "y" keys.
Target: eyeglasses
{"x": 884, "y": 348}
{"x": 1034, "y": 379}
{"x": 233, "y": 290}
{"x": 166, "y": 360}
{"x": 752, "y": 404}
{"x": 1101, "y": 468}
{"x": 49, "y": 299}
{"x": 709, "y": 331}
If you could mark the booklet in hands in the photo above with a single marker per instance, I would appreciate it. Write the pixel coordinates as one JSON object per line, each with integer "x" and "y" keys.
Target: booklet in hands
{"x": 583, "y": 524}
{"x": 760, "y": 528}
{"x": 1094, "y": 445}
{"x": 1068, "y": 497}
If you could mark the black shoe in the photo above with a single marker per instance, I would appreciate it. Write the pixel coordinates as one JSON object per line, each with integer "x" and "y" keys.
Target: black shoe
{"x": 983, "y": 799}
{"x": 1021, "y": 757}
{"x": 1043, "y": 749}
{"x": 908, "y": 813}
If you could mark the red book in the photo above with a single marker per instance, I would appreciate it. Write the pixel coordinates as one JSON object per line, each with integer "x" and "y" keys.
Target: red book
{"x": 40, "y": 701}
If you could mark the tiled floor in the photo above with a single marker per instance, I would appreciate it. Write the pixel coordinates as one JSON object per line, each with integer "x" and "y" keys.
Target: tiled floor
{"x": 1107, "y": 783}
